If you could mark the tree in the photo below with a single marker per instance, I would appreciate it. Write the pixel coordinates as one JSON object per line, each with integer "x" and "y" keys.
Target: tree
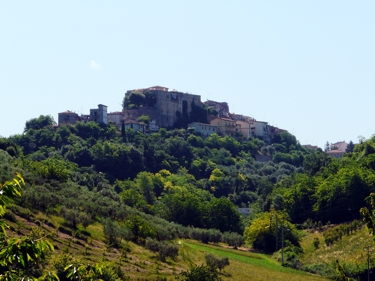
{"x": 350, "y": 147}
{"x": 223, "y": 215}
{"x": 262, "y": 231}
{"x": 369, "y": 216}
{"x": 39, "y": 123}
{"x": 140, "y": 228}
{"x": 216, "y": 262}
{"x": 144, "y": 118}
{"x": 164, "y": 249}
{"x": 201, "y": 273}
{"x": 314, "y": 162}
{"x": 150, "y": 99}
{"x": 327, "y": 147}
{"x": 137, "y": 98}
{"x": 9, "y": 146}
{"x": 20, "y": 258}
{"x": 123, "y": 131}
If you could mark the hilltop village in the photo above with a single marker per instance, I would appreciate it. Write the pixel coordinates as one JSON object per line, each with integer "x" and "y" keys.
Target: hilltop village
{"x": 174, "y": 109}
{"x": 162, "y": 108}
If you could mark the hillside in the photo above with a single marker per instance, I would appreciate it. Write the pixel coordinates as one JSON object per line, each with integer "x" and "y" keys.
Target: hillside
{"x": 137, "y": 262}
{"x": 128, "y": 191}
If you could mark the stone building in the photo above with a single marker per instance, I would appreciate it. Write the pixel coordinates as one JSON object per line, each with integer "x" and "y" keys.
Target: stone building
{"x": 221, "y": 107}
{"x": 99, "y": 115}
{"x": 167, "y": 104}
{"x": 67, "y": 117}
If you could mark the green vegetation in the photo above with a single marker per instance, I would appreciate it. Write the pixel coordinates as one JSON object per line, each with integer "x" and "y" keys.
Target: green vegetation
{"x": 134, "y": 193}
{"x": 138, "y": 99}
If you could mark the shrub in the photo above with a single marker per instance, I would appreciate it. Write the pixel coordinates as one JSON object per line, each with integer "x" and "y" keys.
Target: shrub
{"x": 216, "y": 262}
{"x": 140, "y": 228}
{"x": 9, "y": 216}
{"x": 167, "y": 250}
{"x": 214, "y": 235}
{"x": 152, "y": 244}
{"x": 233, "y": 239}
{"x": 65, "y": 230}
{"x": 200, "y": 273}
{"x": 164, "y": 249}
{"x": 316, "y": 243}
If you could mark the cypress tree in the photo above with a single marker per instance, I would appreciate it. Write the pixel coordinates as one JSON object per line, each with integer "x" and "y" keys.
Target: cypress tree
{"x": 123, "y": 132}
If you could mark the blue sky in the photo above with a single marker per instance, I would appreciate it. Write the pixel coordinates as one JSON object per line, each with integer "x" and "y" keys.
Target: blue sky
{"x": 304, "y": 66}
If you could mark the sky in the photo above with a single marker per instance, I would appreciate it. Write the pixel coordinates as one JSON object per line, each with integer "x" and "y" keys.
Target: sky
{"x": 304, "y": 66}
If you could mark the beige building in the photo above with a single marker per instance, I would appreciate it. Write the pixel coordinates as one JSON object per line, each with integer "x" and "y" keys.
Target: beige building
{"x": 204, "y": 129}
{"x": 245, "y": 128}
{"x": 116, "y": 118}
{"x": 338, "y": 149}
{"x": 226, "y": 126}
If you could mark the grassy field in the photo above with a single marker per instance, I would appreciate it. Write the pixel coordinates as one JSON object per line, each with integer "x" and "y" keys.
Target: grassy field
{"x": 140, "y": 263}
{"x": 249, "y": 266}
{"x": 349, "y": 251}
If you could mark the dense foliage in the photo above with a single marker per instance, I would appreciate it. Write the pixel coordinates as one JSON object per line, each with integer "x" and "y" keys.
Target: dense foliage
{"x": 135, "y": 183}
{"x": 176, "y": 175}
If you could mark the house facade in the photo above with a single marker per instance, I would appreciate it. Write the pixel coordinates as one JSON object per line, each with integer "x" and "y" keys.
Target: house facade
{"x": 135, "y": 125}
{"x": 245, "y": 128}
{"x": 337, "y": 149}
{"x": 116, "y": 118}
{"x": 204, "y": 129}
{"x": 259, "y": 129}
{"x": 226, "y": 126}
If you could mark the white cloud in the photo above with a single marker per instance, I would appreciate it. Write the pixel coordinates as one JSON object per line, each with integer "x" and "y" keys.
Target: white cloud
{"x": 94, "y": 65}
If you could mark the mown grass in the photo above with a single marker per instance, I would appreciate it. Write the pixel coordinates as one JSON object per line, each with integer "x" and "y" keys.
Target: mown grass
{"x": 250, "y": 266}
